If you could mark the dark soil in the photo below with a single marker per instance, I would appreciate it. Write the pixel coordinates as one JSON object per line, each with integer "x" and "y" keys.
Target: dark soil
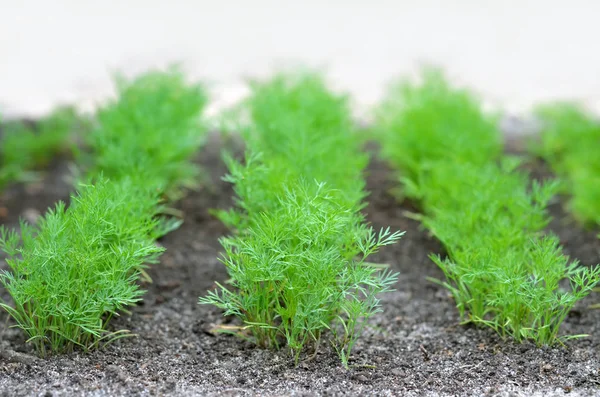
{"x": 415, "y": 347}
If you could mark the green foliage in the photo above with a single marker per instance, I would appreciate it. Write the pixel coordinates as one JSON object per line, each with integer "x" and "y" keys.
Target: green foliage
{"x": 25, "y": 149}
{"x": 300, "y": 269}
{"x": 436, "y": 122}
{"x": 303, "y": 131}
{"x": 151, "y": 132}
{"x": 79, "y": 266}
{"x": 501, "y": 270}
{"x": 496, "y": 205}
{"x": 296, "y": 120}
{"x": 298, "y": 260}
{"x": 570, "y": 143}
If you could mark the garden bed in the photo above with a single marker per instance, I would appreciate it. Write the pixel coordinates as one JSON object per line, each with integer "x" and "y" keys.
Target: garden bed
{"x": 415, "y": 347}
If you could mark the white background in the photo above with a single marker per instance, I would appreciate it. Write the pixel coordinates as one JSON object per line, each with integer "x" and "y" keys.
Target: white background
{"x": 514, "y": 53}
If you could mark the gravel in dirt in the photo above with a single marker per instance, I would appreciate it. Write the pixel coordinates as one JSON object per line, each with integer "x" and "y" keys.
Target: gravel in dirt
{"x": 416, "y": 347}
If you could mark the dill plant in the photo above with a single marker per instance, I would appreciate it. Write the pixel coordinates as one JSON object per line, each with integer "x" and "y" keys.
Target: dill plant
{"x": 297, "y": 121}
{"x": 78, "y": 267}
{"x": 297, "y": 261}
{"x": 501, "y": 269}
{"x": 23, "y": 148}
{"x": 151, "y": 132}
{"x": 434, "y": 121}
{"x": 570, "y": 143}
{"x": 300, "y": 128}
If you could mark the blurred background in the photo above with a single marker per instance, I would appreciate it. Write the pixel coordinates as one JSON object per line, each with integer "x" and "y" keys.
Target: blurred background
{"x": 514, "y": 53}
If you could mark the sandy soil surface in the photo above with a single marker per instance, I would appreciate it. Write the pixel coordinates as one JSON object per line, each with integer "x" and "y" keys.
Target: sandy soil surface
{"x": 515, "y": 53}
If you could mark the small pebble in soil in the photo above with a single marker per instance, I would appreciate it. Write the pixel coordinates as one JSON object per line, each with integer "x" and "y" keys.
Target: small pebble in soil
{"x": 34, "y": 188}
{"x": 31, "y": 215}
{"x": 398, "y": 372}
{"x": 360, "y": 378}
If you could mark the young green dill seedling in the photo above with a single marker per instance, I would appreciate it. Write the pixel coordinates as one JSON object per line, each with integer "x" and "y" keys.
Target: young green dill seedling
{"x": 78, "y": 267}
{"x": 500, "y": 269}
{"x": 299, "y": 127}
{"x": 151, "y": 132}
{"x": 436, "y": 122}
{"x": 570, "y": 143}
{"x": 24, "y": 149}
{"x": 298, "y": 261}
{"x": 296, "y": 120}
{"x": 300, "y": 269}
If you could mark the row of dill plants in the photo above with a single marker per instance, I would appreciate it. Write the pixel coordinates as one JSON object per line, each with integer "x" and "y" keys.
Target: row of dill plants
{"x": 503, "y": 270}
{"x": 80, "y": 264}
{"x": 297, "y": 253}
